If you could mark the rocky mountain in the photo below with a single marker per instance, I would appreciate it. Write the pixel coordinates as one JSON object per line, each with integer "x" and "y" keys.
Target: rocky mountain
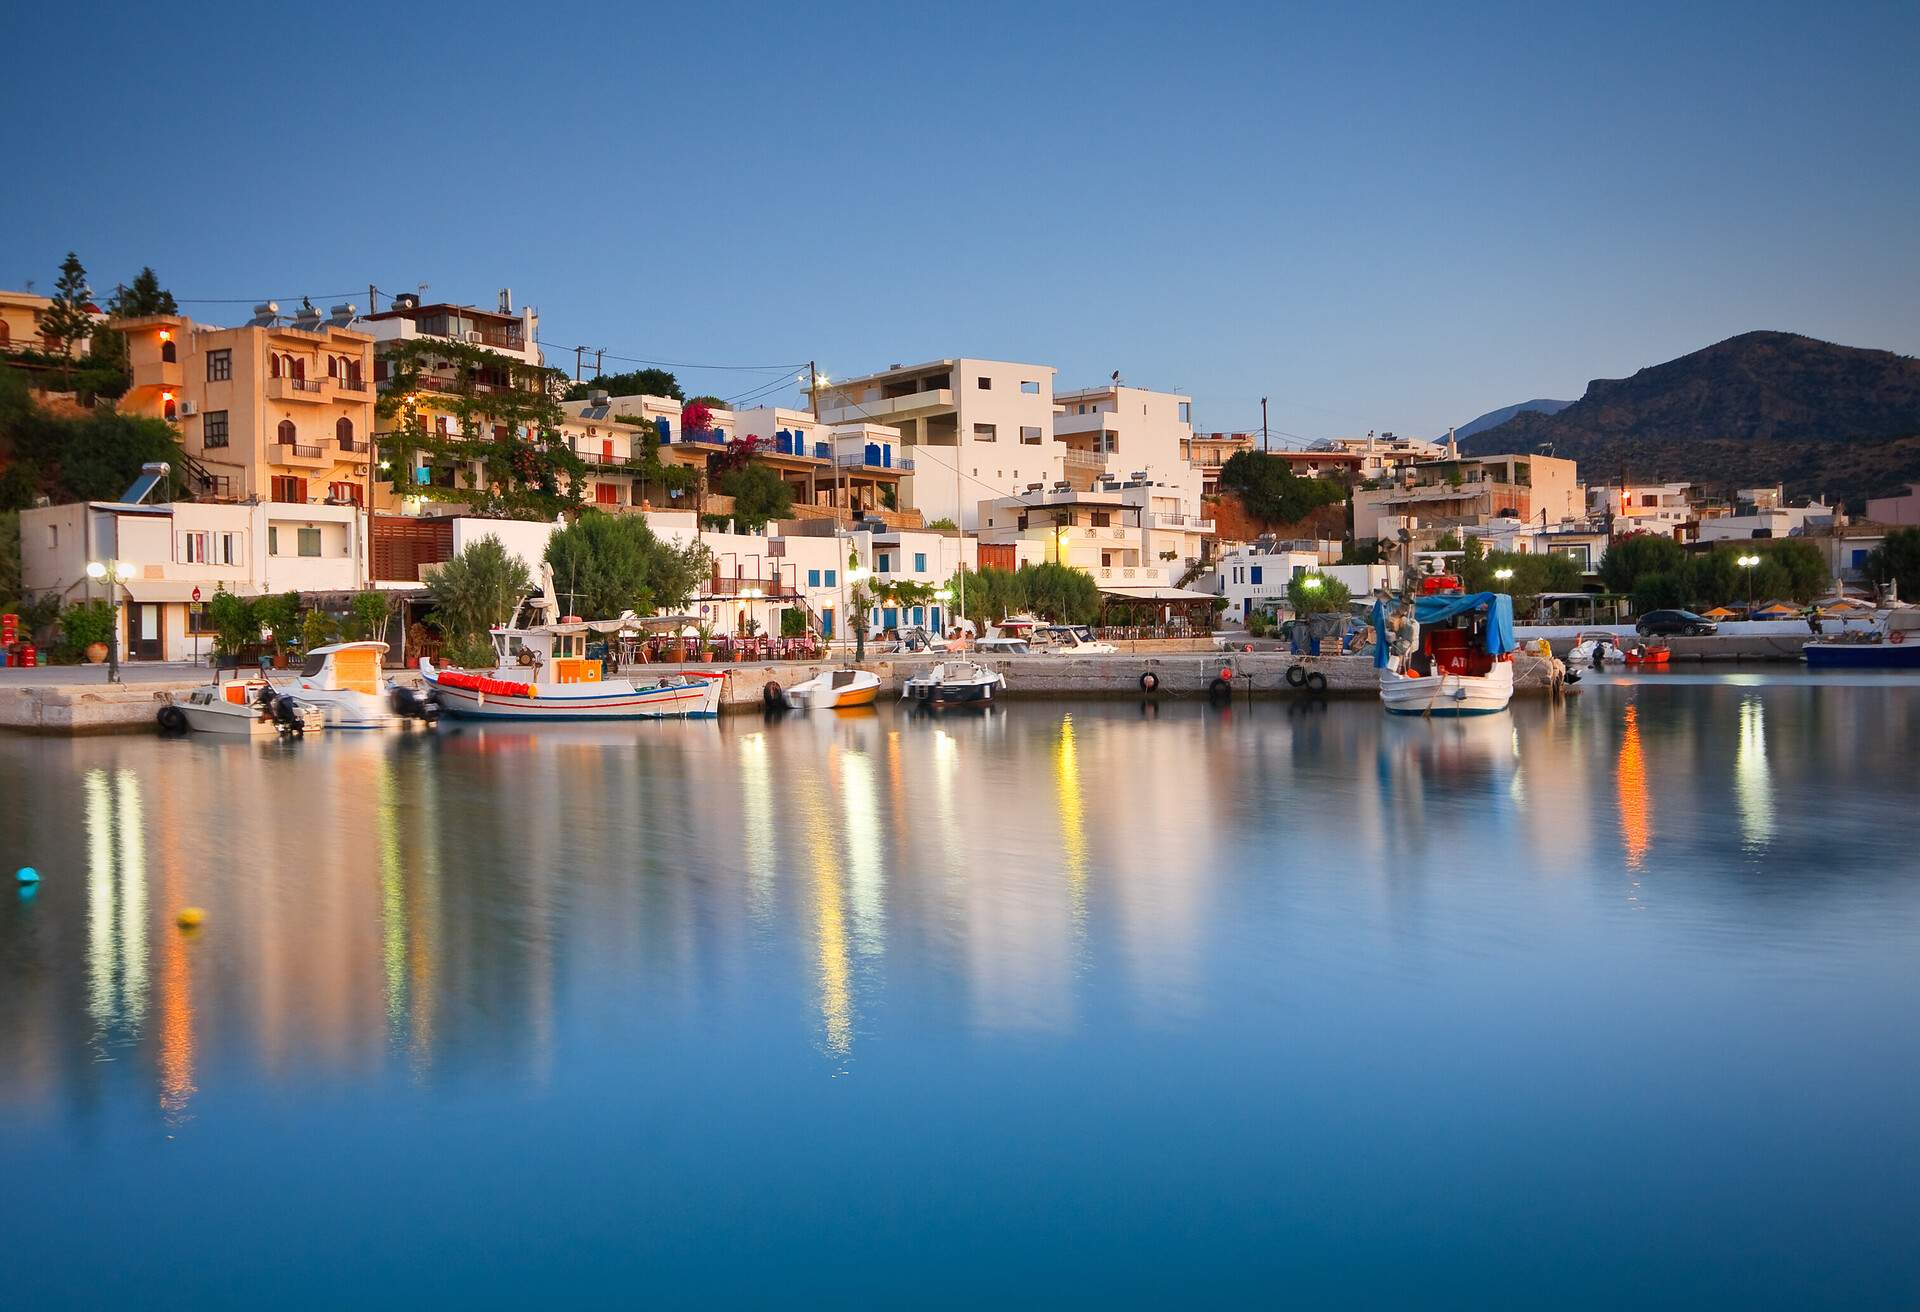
{"x": 1761, "y": 408}
{"x": 1494, "y": 418}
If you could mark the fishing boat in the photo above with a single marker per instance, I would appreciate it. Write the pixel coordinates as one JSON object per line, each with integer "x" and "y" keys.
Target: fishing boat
{"x": 1893, "y": 643}
{"x": 1654, "y": 655}
{"x": 834, "y": 690}
{"x": 954, "y": 683}
{"x": 343, "y": 680}
{"x": 544, "y": 673}
{"x": 1453, "y": 655}
{"x": 250, "y": 710}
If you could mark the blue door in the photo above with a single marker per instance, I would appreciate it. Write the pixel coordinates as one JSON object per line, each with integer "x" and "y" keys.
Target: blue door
{"x": 936, "y": 621}
{"x": 826, "y": 622}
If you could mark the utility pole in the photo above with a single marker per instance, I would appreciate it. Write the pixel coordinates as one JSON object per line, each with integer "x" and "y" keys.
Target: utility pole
{"x": 579, "y": 354}
{"x": 599, "y": 368}
{"x": 1263, "y": 425}
{"x": 373, "y": 299}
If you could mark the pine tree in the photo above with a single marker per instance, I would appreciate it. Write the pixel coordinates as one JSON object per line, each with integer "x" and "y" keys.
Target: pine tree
{"x": 144, "y": 295}
{"x": 66, "y": 321}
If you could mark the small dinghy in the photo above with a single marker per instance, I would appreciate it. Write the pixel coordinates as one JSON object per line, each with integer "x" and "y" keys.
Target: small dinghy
{"x": 834, "y": 690}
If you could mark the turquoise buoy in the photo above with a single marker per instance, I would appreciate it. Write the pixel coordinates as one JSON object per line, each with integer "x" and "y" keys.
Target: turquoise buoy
{"x": 28, "y": 875}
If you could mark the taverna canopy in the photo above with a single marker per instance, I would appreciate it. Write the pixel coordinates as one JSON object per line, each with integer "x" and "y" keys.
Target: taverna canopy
{"x": 1777, "y": 610}
{"x": 1498, "y": 637}
{"x": 1718, "y": 613}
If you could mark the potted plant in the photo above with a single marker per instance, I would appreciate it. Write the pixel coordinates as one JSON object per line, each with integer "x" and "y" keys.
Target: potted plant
{"x": 677, "y": 648}
{"x": 705, "y": 632}
{"x": 84, "y": 629}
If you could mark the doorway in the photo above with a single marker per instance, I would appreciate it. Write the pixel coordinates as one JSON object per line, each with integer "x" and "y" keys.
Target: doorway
{"x": 143, "y": 631}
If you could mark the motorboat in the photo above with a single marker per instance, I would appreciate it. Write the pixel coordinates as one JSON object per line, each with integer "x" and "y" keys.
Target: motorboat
{"x": 834, "y": 690}
{"x": 916, "y": 638}
{"x": 1072, "y": 640}
{"x": 344, "y": 681}
{"x": 1595, "y": 647}
{"x": 954, "y": 683}
{"x": 241, "y": 709}
{"x": 543, "y": 673}
{"x": 1013, "y": 636}
{"x": 1649, "y": 655}
{"x": 1449, "y": 653}
{"x": 1893, "y": 643}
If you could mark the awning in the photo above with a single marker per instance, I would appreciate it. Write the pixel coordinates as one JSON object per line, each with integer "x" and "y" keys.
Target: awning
{"x": 159, "y": 590}
{"x": 1127, "y": 592}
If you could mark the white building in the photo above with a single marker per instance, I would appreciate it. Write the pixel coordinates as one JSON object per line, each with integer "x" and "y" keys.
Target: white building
{"x": 974, "y": 429}
{"x": 503, "y": 330}
{"x": 1120, "y": 430}
{"x": 168, "y": 552}
{"x": 1664, "y": 508}
{"x": 1253, "y": 578}
{"x": 1125, "y": 532}
{"x": 1775, "y": 521}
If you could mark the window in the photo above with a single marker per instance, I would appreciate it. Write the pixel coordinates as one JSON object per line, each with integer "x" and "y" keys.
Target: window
{"x": 605, "y": 494}
{"x": 226, "y": 549}
{"x": 53, "y": 537}
{"x": 1257, "y": 572}
{"x": 1030, "y": 389}
{"x": 1030, "y": 435}
{"x": 199, "y": 619}
{"x": 983, "y": 433}
{"x": 345, "y": 494}
{"x": 286, "y": 433}
{"x": 1102, "y": 519}
{"x": 884, "y": 563}
{"x": 290, "y": 490}
{"x": 213, "y": 428}
{"x": 986, "y": 384}
{"x": 273, "y": 540}
{"x": 1186, "y": 412}
{"x": 831, "y": 580}
{"x": 919, "y": 562}
{"x": 193, "y": 548}
{"x": 170, "y": 351}
{"x": 343, "y": 430}
{"x": 309, "y": 541}
{"x": 813, "y": 578}
{"x": 273, "y": 366}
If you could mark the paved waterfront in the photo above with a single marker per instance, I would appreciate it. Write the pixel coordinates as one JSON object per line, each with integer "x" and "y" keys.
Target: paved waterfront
{"x": 1602, "y": 1003}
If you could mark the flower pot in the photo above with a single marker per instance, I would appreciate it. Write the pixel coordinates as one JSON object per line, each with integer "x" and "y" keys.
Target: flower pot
{"x": 96, "y": 652}
{"x": 677, "y": 652}
{"x": 706, "y": 653}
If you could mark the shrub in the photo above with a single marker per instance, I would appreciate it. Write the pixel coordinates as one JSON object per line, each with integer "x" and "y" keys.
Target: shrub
{"x": 83, "y": 624}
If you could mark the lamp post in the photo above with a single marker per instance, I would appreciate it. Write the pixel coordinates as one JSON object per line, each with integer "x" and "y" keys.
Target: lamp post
{"x": 856, "y": 576}
{"x": 109, "y": 572}
{"x": 1503, "y": 574}
{"x": 943, "y": 596}
{"x": 1747, "y": 563}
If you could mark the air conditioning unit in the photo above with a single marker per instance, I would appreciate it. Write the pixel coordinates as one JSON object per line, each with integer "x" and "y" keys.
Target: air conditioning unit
{"x": 187, "y": 408}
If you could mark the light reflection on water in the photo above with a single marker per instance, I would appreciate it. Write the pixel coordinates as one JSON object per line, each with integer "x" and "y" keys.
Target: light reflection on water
{"x": 1278, "y": 967}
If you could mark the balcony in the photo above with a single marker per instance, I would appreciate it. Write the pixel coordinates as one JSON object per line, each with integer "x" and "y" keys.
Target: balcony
{"x": 352, "y": 446}
{"x": 292, "y": 453}
{"x": 159, "y": 373}
{"x": 886, "y": 410}
{"x": 1191, "y": 523}
{"x": 1075, "y": 458}
{"x": 860, "y": 460}
{"x": 313, "y": 390}
{"x": 1091, "y": 423}
{"x": 352, "y": 386}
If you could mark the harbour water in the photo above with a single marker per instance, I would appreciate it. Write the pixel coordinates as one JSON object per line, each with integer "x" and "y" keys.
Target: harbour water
{"x": 1601, "y": 1003}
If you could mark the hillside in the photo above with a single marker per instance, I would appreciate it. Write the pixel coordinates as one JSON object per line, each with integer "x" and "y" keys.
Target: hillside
{"x": 1494, "y": 418}
{"x": 1764, "y": 407}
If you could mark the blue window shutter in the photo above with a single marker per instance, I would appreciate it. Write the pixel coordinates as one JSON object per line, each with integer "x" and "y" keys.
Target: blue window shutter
{"x": 919, "y": 562}
{"x": 919, "y": 615}
{"x": 831, "y": 580}
{"x": 936, "y": 619}
{"x": 873, "y": 453}
{"x": 813, "y": 578}
{"x": 886, "y": 457}
{"x": 1256, "y": 573}
{"x": 665, "y": 429}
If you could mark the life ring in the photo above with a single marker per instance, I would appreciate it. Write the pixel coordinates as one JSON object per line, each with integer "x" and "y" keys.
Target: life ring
{"x": 1149, "y": 681}
{"x": 1897, "y": 637}
{"x": 1316, "y": 682}
{"x": 1219, "y": 691}
{"x": 1296, "y": 676}
{"x": 172, "y": 719}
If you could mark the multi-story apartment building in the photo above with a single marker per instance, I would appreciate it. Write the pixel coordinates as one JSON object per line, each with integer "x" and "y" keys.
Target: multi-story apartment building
{"x": 1206, "y": 452}
{"x": 504, "y": 331}
{"x": 278, "y": 409}
{"x": 1382, "y": 455}
{"x": 173, "y": 558}
{"x": 1116, "y": 429}
{"x": 1664, "y": 508}
{"x": 1443, "y": 495}
{"x": 974, "y": 428}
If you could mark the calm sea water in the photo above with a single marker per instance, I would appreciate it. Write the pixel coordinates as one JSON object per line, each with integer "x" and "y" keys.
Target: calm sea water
{"x": 1610, "y": 1003}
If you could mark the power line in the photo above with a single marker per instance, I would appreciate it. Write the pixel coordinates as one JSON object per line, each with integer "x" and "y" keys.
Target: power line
{"x": 680, "y": 364}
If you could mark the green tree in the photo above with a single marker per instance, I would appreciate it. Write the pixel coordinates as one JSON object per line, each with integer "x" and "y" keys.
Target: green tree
{"x": 1792, "y": 568}
{"x": 236, "y": 623}
{"x": 1636, "y": 554}
{"x": 279, "y": 612}
{"x": 608, "y": 564}
{"x": 1271, "y": 492}
{"x": 143, "y": 296}
{"x": 371, "y": 610}
{"x": 943, "y": 525}
{"x": 66, "y": 321}
{"x": 1062, "y": 594}
{"x": 479, "y": 588}
{"x": 640, "y": 382}
{"x": 1317, "y": 597}
{"x": 1897, "y": 561}
{"x": 9, "y": 558}
{"x": 759, "y": 495}
{"x": 1663, "y": 590}
{"x": 1528, "y": 575}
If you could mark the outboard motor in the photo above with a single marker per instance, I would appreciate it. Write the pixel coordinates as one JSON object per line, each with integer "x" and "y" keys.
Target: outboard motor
{"x": 286, "y": 714}
{"x": 413, "y": 704}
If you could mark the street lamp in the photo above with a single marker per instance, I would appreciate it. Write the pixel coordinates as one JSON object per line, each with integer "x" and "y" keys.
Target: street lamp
{"x": 1503, "y": 574}
{"x": 1311, "y": 582}
{"x": 109, "y": 571}
{"x": 1747, "y": 563}
{"x": 855, "y": 577}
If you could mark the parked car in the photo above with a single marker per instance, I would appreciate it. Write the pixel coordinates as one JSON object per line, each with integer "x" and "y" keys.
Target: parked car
{"x": 1667, "y": 623}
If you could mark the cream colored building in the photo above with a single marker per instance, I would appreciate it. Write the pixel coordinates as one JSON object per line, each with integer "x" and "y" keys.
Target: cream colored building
{"x": 281, "y": 409}
{"x": 167, "y": 552}
{"x": 1126, "y": 432}
{"x": 1441, "y": 495}
{"x": 974, "y": 429}
{"x": 1124, "y": 532}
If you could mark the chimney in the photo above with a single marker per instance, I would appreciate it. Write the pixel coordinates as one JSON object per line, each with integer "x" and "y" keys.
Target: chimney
{"x": 506, "y": 300}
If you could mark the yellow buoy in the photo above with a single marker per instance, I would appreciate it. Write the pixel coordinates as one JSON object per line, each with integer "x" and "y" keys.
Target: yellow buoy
{"x": 190, "y": 917}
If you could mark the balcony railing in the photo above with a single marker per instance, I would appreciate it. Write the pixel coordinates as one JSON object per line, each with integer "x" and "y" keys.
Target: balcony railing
{"x": 304, "y": 384}
{"x": 297, "y": 449}
{"x": 351, "y": 444}
{"x": 1078, "y": 459}
{"x": 351, "y": 384}
{"x": 858, "y": 460}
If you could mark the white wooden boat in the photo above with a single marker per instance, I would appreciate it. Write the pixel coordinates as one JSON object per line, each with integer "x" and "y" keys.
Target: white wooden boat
{"x": 834, "y": 690}
{"x": 1453, "y": 655}
{"x": 543, "y": 673}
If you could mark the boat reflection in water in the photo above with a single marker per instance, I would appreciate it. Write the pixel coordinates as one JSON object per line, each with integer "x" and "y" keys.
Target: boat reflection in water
{"x": 1131, "y": 965}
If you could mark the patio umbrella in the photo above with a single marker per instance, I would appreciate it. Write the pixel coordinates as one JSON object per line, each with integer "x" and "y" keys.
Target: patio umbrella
{"x": 1718, "y": 613}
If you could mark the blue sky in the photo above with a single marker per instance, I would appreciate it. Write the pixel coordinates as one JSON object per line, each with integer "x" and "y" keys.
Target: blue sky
{"x": 1390, "y": 217}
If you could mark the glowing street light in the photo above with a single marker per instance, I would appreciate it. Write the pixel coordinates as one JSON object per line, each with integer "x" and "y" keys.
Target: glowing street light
{"x": 1747, "y": 563}
{"x": 1503, "y": 574}
{"x": 1311, "y": 582}
{"x": 110, "y": 572}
